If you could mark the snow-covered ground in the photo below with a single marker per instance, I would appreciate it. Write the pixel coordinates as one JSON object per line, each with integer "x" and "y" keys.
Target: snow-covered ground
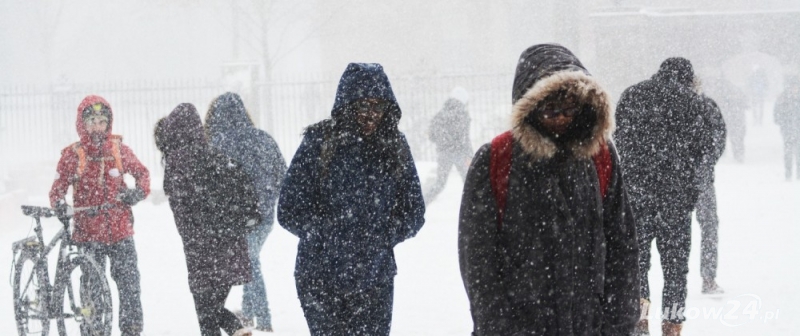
{"x": 760, "y": 221}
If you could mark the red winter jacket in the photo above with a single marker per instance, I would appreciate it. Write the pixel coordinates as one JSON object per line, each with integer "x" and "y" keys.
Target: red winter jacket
{"x": 99, "y": 182}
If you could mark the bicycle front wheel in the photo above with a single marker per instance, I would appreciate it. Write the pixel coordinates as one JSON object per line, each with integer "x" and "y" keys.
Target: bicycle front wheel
{"x": 31, "y": 296}
{"x": 85, "y": 299}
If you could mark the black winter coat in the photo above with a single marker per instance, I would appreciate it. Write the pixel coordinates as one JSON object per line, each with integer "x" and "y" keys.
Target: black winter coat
{"x": 662, "y": 141}
{"x": 713, "y": 125}
{"x": 196, "y": 177}
{"x": 564, "y": 261}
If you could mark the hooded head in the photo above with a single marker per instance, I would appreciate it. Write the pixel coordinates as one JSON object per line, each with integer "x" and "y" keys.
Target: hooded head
{"x": 676, "y": 69}
{"x": 182, "y": 128}
{"x": 92, "y": 109}
{"x": 227, "y": 113}
{"x": 365, "y": 81}
{"x": 550, "y": 75}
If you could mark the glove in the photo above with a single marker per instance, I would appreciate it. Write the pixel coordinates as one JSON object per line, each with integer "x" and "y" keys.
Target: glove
{"x": 131, "y": 196}
{"x": 63, "y": 210}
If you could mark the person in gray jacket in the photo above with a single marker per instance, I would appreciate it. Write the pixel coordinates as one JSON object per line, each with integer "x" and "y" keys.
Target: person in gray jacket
{"x": 557, "y": 254}
{"x": 232, "y": 132}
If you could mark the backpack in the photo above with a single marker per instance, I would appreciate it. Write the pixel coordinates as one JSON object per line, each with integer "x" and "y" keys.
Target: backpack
{"x": 500, "y": 169}
{"x": 115, "y": 154}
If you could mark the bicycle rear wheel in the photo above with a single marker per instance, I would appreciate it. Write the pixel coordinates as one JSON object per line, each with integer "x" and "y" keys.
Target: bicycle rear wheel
{"x": 85, "y": 299}
{"x": 30, "y": 296}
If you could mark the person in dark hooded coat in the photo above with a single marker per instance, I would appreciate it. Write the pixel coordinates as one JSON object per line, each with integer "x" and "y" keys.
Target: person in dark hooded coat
{"x": 208, "y": 194}
{"x": 663, "y": 146}
{"x": 559, "y": 258}
{"x": 706, "y": 207}
{"x": 351, "y": 195}
{"x": 231, "y": 131}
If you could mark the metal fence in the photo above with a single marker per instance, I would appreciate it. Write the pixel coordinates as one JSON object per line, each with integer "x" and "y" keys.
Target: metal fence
{"x": 36, "y": 123}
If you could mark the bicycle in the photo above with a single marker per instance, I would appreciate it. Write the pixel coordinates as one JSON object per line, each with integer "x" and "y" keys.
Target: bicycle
{"x": 37, "y": 302}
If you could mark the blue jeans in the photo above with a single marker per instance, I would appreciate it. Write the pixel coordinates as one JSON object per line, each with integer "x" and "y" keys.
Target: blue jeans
{"x": 254, "y": 302}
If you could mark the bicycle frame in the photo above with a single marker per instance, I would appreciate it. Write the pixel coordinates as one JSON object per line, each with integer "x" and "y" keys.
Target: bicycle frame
{"x": 39, "y": 253}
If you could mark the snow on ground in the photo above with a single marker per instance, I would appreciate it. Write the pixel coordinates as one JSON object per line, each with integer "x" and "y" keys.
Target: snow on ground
{"x": 759, "y": 216}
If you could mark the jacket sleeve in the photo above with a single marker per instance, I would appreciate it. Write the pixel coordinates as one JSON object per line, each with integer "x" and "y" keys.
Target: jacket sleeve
{"x": 621, "y": 287}
{"x": 276, "y": 170}
{"x": 479, "y": 254}
{"x": 65, "y": 170}
{"x": 718, "y": 132}
{"x": 132, "y": 165}
{"x": 298, "y": 208}
{"x": 409, "y": 211}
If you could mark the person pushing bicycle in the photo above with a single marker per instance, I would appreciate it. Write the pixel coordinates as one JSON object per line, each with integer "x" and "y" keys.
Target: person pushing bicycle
{"x": 94, "y": 167}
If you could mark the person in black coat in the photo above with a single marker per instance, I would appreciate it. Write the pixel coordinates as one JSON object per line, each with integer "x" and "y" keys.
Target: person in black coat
{"x": 787, "y": 116}
{"x": 351, "y": 195}
{"x": 706, "y": 207}
{"x": 559, "y": 258}
{"x": 732, "y": 103}
{"x": 211, "y": 198}
{"x": 231, "y": 131}
{"x": 662, "y": 146}
{"x": 449, "y": 131}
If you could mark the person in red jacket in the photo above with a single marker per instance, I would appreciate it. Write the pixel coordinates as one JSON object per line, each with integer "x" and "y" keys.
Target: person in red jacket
{"x": 94, "y": 167}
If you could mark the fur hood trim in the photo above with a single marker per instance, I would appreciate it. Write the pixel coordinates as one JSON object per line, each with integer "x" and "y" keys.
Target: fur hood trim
{"x": 587, "y": 90}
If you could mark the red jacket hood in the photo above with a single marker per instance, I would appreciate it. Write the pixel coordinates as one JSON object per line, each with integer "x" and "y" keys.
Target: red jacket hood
{"x": 89, "y": 101}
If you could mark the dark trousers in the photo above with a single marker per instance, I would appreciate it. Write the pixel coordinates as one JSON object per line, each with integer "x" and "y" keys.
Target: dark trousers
{"x": 212, "y": 314}
{"x": 330, "y": 312}
{"x": 791, "y": 156}
{"x": 671, "y": 227}
{"x": 125, "y": 272}
{"x": 445, "y": 160}
{"x": 706, "y": 213}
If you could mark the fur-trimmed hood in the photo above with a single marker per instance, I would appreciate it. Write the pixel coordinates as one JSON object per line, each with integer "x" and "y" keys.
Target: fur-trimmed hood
{"x": 544, "y": 70}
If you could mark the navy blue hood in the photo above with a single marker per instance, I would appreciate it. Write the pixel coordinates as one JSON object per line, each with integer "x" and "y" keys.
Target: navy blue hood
{"x": 360, "y": 81}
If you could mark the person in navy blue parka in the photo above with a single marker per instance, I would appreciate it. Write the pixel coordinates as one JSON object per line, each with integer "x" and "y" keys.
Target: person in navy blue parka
{"x": 351, "y": 194}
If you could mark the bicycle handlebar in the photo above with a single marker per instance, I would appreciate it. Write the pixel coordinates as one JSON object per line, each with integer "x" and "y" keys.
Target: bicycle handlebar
{"x": 35, "y": 211}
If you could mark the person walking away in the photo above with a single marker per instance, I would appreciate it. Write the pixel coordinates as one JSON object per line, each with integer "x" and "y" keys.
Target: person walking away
{"x": 758, "y": 85}
{"x": 546, "y": 239}
{"x": 662, "y": 147}
{"x": 706, "y": 207}
{"x": 94, "y": 167}
{"x": 214, "y": 204}
{"x": 231, "y": 131}
{"x": 449, "y": 131}
{"x": 787, "y": 116}
{"x": 732, "y": 104}
{"x": 351, "y": 195}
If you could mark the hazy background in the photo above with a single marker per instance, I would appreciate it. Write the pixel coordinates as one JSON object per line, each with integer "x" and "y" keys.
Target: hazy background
{"x": 284, "y": 57}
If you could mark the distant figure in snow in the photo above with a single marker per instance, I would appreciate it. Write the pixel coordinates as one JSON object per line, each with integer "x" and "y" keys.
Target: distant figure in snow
{"x": 787, "y": 116}
{"x": 758, "y": 84}
{"x": 663, "y": 147}
{"x": 95, "y": 167}
{"x": 732, "y": 103}
{"x": 547, "y": 240}
{"x": 351, "y": 195}
{"x": 706, "y": 207}
{"x": 231, "y": 131}
{"x": 211, "y": 198}
{"x": 449, "y": 131}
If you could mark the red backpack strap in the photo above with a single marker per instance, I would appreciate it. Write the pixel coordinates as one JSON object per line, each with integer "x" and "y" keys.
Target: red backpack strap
{"x": 605, "y": 167}
{"x": 499, "y": 169}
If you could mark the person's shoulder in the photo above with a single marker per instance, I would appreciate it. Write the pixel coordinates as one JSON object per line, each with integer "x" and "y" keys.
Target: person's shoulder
{"x": 317, "y": 131}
